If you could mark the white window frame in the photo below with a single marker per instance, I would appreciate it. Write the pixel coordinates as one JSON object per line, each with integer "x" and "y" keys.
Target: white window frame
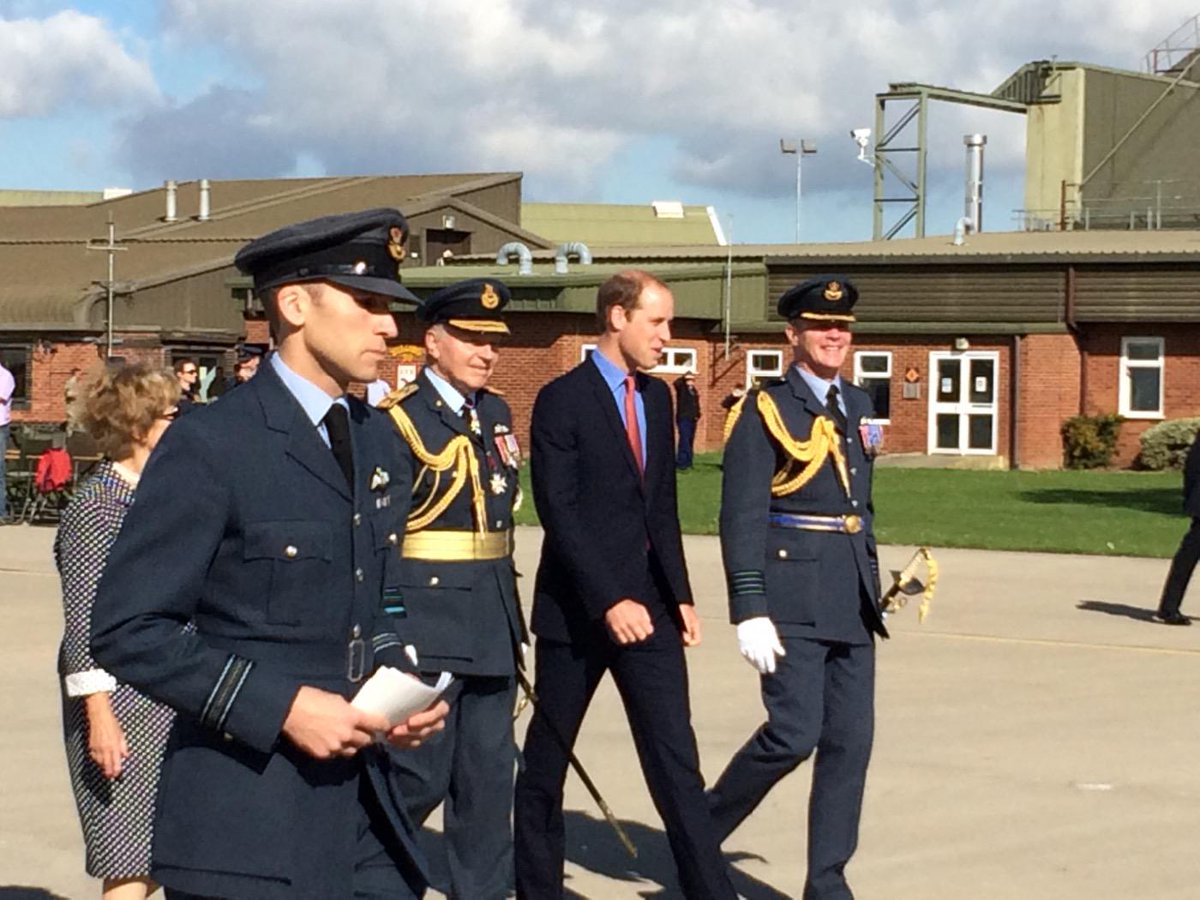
{"x": 860, "y": 375}
{"x": 752, "y": 371}
{"x": 1124, "y": 392}
{"x": 676, "y": 360}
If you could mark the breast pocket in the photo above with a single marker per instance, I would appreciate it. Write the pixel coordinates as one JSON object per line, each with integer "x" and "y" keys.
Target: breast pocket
{"x": 439, "y": 597}
{"x": 298, "y": 557}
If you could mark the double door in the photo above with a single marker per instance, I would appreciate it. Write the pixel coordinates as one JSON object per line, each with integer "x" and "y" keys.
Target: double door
{"x": 962, "y": 402}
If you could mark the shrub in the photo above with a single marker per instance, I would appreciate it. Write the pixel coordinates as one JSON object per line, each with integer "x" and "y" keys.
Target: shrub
{"x": 1089, "y": 442}
{"x": 1165, "y": 445}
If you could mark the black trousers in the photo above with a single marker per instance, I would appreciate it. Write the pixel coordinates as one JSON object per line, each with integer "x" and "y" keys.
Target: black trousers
{"x": 652, "y": 680}
{"x": 821, "y": 698}
{"x": 1180, "y": 574}
{"x": 470, "y": 765}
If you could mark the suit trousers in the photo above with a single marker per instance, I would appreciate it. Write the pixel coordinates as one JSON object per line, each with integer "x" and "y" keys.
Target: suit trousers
{"x": 687, "y": 437}
{"x": 470, "y": 765}
{"x": 651, "y": 677}
{"x": 381, "y": 870}
{"x": 821, "y": 698}
{"x": 1180, "y": 574}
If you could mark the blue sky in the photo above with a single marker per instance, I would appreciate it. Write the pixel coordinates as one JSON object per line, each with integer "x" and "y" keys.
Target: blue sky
{"x": 624, "y": 102}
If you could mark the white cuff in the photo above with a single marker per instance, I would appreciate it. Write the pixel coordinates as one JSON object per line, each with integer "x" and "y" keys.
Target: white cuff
{"x": 93, "y": 681}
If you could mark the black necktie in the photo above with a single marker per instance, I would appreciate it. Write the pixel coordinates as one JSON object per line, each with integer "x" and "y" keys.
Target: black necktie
{"x": 835, "y": 411}
{"x": 337, "y": 423}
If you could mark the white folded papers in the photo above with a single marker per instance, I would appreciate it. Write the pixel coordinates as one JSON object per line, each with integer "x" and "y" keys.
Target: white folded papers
{"x": 397, "y": 695}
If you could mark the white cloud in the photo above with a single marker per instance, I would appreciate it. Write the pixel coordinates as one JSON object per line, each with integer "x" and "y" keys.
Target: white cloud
{"x": 67, "y": 58}
{"x": 558, "y": 89}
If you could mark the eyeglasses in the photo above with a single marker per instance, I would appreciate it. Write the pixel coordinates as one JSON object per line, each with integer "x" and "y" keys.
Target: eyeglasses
{"x": 188, "y": 371}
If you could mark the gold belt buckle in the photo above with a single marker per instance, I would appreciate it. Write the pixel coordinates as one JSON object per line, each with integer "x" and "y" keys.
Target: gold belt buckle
{"x": 853, "y": 524}
{"x": 356, "y": 659}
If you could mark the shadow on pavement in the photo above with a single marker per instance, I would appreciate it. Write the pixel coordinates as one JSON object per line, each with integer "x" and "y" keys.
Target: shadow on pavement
{"x": 1156, "y": 500}
{"x": 1118, "y": 609}
{"x": 15, "y": 892}
{"x": 592, "y": 845}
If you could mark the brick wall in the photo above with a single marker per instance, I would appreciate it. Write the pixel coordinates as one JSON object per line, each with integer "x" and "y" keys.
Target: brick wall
{"x": 1049, "y": 393}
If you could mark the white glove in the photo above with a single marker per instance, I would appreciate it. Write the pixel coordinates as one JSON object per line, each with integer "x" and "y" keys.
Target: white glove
{"x": 758, "y": 642}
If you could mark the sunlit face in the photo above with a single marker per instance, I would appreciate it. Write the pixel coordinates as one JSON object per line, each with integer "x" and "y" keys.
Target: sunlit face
{"x": 819, "y": 346}
{"x": 188, "y": 376}
{"x": 161, "y": 423}
{"x": 644, "y": 332}
{"x": 464, "y": 358}
{"x": 334, "y": 336}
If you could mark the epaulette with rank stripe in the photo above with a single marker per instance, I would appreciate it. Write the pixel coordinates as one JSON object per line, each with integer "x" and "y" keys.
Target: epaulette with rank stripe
{"x": 397, "y": 395}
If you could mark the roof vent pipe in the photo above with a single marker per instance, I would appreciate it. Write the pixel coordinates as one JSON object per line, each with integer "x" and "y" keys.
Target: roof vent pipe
{"x": 205, "y": 200}
{"x": 172, "y": 213}
{"x": 565, "y": 251}
{"x": 524, "y": 257}
{"x": 974, "y": 199}
{"x": 961, "y": 227}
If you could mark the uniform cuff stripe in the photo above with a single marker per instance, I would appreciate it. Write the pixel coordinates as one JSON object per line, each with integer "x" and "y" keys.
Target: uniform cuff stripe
{"x": 225, "y": 691}
{"x": 747, "y": 582}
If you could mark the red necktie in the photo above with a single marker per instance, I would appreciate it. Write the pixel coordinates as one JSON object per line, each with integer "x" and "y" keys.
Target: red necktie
{"x": 632, "y": 432}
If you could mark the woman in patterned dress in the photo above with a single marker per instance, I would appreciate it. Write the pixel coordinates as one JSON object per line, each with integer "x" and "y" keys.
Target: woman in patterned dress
{"x": 114, "y": 735}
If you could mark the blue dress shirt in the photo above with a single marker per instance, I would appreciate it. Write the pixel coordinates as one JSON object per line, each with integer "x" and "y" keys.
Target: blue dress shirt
{"x": 314, "y": 401}
{"x": 614, "y": 377}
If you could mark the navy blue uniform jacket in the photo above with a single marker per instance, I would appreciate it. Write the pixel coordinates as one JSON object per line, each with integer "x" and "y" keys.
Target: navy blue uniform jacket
{"x": 601, "y": 518}
{"x": 244, "y": 525}
{"x": 810, "y": 584}
{"x": 463, "y": 616}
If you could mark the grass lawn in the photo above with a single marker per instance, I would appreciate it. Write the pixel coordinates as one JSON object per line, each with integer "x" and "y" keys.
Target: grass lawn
{"x": 1113, "y": 513}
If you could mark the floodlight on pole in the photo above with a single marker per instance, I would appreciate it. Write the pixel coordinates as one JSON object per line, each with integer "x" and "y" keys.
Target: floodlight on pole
{"x": 800, "y": 148}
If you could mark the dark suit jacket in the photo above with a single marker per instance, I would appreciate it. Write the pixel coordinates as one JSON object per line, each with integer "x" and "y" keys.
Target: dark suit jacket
{"x": 463, "y": 616}
{"x": 815, "y": 582}
{"x": 244, "y": 525}
{"x": 1191, "y": 480}
{"x": 602, "y": 519}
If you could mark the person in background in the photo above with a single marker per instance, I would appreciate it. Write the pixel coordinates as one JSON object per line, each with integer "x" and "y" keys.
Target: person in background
{"x": 687, "y": 414}
{"x": 377, "y": 390}
{"x": 1188, "y": 553}
{"x": 8, "y": 386}
{"x": 188, "y": 375}
{"x": 115, "y": 736}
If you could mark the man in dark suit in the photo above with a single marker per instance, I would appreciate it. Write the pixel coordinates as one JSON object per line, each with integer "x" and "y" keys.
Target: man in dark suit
{"x": 248, "y": 589}
{"x": 612, "y": 591}
{"x": 458, "y": 581}
{"x": 803, "y": 580}
{"x": 1188, "y": 553}
{"x": 687, "y": 414}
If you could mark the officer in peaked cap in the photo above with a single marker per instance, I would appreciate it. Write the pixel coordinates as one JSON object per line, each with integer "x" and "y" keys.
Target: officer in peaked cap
{"x": 802, "y": 573}
{"x": 458, "y": 582}
{"x": 269, "y": 522}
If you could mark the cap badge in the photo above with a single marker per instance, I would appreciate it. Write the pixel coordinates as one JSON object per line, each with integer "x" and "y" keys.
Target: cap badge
{"x": 395, "y": 246}
{"x": 360, "y": 268}
{"x": 489, "y": 298}
{"x": 834, "y": 292}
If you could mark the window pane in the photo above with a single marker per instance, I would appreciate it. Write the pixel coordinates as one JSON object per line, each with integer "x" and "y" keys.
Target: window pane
{"x": 1142, "y": 350}
{"x": 873, "y": 362}
{"x": 879, "y": 390}
{"x": 947, "y": 431}
{"x": 979, "y": 432}
{"x": 1143, "y": 389}
{"x": 16, "y": 360}
{"x": 949, "y": 372}
{"x": 983, "y": 382}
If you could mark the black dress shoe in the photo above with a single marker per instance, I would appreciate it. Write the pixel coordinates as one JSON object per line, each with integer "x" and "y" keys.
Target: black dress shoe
{"x": 1175, "y": 618}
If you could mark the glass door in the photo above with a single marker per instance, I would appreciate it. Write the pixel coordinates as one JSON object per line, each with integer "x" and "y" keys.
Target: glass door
{"x": 962, "y": 402}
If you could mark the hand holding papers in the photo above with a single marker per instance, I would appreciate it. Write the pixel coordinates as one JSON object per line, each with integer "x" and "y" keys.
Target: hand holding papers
{"x": 396, "y": 695}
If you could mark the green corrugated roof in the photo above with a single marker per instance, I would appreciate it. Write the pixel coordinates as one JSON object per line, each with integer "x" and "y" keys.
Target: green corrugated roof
{"x": 609, "y": 224}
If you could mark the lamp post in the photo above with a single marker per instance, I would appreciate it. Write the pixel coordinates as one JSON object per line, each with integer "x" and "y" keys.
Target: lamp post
{"x": 800, "y": 148}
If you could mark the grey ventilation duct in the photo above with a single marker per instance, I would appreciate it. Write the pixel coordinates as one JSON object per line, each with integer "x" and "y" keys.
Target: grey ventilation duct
{"x": 564, "y": 253}
{"x": 172, "y": 211}
{"x": 524, "y": 257}
{"x": 205, "y": 200}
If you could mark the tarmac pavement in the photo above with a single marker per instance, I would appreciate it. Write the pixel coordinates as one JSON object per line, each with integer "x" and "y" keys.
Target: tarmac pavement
{"x": 1034, "y": 740}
